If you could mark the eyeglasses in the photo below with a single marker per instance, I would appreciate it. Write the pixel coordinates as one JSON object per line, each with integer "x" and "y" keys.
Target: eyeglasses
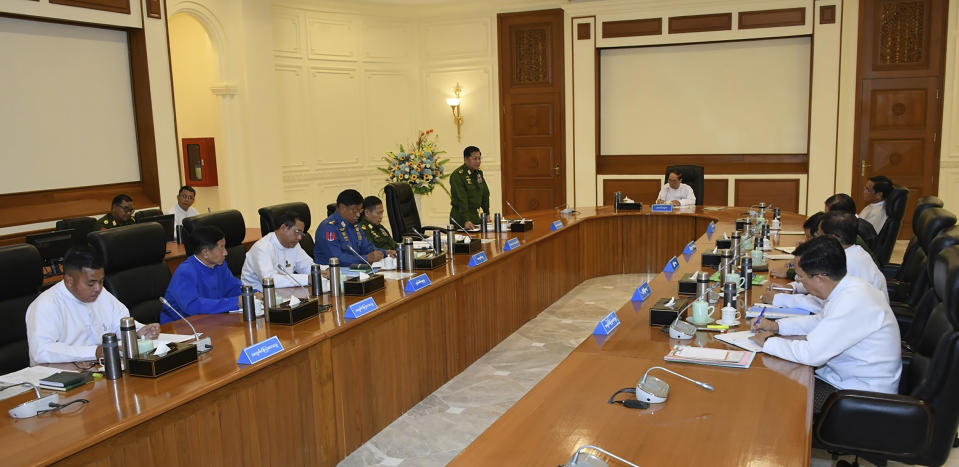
{"x": 86, "y": 366}
{"x": 298, "y": 232}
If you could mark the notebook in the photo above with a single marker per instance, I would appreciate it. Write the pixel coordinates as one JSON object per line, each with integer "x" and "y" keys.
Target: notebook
{"x": 774, "y": 312}
{"x": 65, "y": 380}
{"x": 741, "y": 339}
{"x": 709, "y": 356}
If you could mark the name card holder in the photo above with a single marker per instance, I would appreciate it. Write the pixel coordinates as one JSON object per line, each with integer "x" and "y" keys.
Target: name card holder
{"x": 672, "y": 265}
{"x": 641, "y": 292}
{"x": 690, "y": 248}
{"x": 556, "y": 225}
{"x": 360, "y": 308}
{"x": 260, "y": 351}
{"x": 417, "y": 283}
{"x": 606, "y": 325}
{"x": 477, "y": 259}
{"x": 711, "y": 227}
{"x": 662, "y": 207}
{"x": 511, "y": 244}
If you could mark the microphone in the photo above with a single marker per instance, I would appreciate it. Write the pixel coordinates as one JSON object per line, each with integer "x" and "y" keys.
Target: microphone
{"x": 654, "y": 390}
{"x": 514, "y": 210}
{"x": 468, "y": 238}
{"x": 202, "y": 345}
{"x": 372, "y": 271}
{"x": 34, "y": 407}
{"x": 287, "y": 274}
{"x": 422, "y": 237}
{"x": 681, "y": 329}
{"x": 592, "y": 460}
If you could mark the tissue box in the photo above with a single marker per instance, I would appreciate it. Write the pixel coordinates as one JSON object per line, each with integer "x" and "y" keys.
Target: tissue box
{"x": 523, "y": 225}
{"x": 467, "y": 249}
{"x": 287, "y": 315}
{"x": 661, "y": 315}
{"x": 724, "y": 244}
{"x": 711, "y": 260}
{"x": 687, "y": 285}
{"x": 740, "y": 223}
{"x": 430, "y": 262}
{"x": 354, "y": 286}
{"x": 629, "y": 206}
{"x": 151, "y": 366}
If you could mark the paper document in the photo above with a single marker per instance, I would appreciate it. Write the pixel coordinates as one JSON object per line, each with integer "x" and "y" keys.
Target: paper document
{"x": 740, "y": 339}
{"x": 791, "y": 232}
{"x": 786, "y": 249}
{"x": 774, "y": 312}
{"x": 780, "y": 256}
{"x": 710, "y": 356}
{"x": 31, "y": 375}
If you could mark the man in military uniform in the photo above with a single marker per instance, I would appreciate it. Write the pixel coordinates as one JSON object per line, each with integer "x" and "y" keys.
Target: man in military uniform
{"x": 371, "y": 223}
{"x": 468, "y": 190}
{"x": 341, "y": 229}
{"x": 121, "y": 213}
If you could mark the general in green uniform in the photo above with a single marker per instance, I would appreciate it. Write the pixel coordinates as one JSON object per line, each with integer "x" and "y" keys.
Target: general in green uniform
{"x": 371, "y": 223}
{"x": 468, "y": 191}
{"x": 121, "y": 213}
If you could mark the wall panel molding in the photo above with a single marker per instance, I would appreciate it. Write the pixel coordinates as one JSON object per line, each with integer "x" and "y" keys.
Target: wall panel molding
{"x": 631, "y": 28}
{"x": 287, "y": 35}
{"x": 772, "y": 18}
{"x": 700, "y": 23}
{"x": 718, "y": 163}
{"x": 330, "y": 39}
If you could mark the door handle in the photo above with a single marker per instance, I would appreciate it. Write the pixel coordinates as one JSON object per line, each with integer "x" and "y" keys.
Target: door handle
{"x": 862, "y": 167}
{"x": 556, "y": 170}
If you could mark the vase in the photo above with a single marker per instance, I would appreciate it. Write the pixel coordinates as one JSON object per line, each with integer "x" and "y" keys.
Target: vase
{"x": 418, "y": 199}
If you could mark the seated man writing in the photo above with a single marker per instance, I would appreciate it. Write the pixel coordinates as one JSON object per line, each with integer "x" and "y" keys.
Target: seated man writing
{"x": 203, "y": 284}
{"x": 853, "y": 342}
{"x": 279, "y": 256}
{"x": 676, "y": 192}
{"x": 66, "y": 323}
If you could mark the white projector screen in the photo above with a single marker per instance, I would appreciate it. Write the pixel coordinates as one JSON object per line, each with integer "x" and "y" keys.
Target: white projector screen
{"x": 744, "y": 97}
{"x": 67, "y": 118}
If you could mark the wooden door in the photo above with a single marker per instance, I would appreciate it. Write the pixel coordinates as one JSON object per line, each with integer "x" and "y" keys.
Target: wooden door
{"x": 532, "y": 109}
{"x": 899, "y": 110}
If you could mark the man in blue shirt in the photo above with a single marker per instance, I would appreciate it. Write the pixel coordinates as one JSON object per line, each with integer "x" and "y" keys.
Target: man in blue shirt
{"x": 341, "y": 230}
{"x": 203, "y": 284}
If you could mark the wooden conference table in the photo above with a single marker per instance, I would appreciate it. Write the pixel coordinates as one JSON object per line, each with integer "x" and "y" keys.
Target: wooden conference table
{"x": 339, "y": 381}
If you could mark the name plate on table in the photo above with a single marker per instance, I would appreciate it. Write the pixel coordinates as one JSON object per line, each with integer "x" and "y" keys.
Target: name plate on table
{"x": 690, "y": 248}
{"x": 556, "y": 225}
{"x": 711, "y": 227}
{"x": 672, "y": 265}
{"x": 607, "y": 324}
{"x": 416, "y": 283}
{"x": 360, "y": 308}
{"x": 641, "y": 292}
{"x": 511, "y": 244}
{"x": 477, "y": 259}
{"x": 661, "y": 207}
{"x": 259, "y": 351}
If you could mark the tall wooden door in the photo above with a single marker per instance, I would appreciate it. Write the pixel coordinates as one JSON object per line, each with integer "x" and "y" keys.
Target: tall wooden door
{"x": 532, "y": 109}
{"x": 899, "y": 110}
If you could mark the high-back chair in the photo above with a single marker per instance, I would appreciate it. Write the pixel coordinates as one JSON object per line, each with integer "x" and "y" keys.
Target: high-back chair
{"x": 21, "y": 276}
{"x": 234, "y": 229}
{"x": 270, "y": 214}
{"x": 134, "y": 267}
{"x": 692, "y": 176}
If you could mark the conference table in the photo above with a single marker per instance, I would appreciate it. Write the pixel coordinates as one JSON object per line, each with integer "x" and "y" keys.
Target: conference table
{"x": 339, "y": 381}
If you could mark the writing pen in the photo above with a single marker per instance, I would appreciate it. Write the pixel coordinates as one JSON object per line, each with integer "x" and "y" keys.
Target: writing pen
{"x": 760, "y": 317}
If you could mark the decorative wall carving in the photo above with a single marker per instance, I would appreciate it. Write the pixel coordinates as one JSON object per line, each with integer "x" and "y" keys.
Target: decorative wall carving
{"x": 901, "y": 32}
{"x": 531, "y": 63}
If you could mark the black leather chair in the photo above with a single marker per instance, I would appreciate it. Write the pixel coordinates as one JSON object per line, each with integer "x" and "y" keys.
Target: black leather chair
{"x": 152, "y": 212}
{"x": 932, "y": 221}
{"x": 924, "y": 297}
{"x": 893, "y": 270}
{"x": 330, "y": 209}
{"x": 918, "y": 425}
{"x": 81, "y": 227}
{"x": 21, "y": 277}
{"x": 692, "y": 176}
{"x": 134, "y": 266}
{"x": 402, "y": 212}
{"x": 268, "y": 223}
{"x": 234, "y": 229}
{"x": 895, "y": 207}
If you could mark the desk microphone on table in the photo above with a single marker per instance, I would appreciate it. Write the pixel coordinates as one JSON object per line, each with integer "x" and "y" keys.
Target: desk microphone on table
{"x": 287, "y": 274}
{"x": 654, "y": 390}
{"x": 583, "y": 459}
{"x": 202, "y": 345}
{"x": 372, "y": 271}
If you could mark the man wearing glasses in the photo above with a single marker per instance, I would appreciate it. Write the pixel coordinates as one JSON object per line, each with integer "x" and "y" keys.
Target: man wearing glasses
{"x": 278, "y": 255}
{"x": 121, "y": 213}
{"x": 341, "y": 231}
{"x": 853, "y": 343}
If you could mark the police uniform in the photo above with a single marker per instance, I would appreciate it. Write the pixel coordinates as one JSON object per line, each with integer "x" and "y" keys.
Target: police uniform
{"x": 468, "y": 194}
{"x": 108, "y": 222}
{"x": 378, "y": 235}
{"x": 332, "y": 237}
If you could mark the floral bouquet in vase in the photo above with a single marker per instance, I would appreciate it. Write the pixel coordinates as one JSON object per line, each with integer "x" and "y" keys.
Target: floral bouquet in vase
{"x": 418, "y": 164}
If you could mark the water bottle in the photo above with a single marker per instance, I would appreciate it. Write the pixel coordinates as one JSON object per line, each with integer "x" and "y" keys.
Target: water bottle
{"x": 248, "y": 305}
{"x": 450, "y": 238}
{"x": 316, "y": 280}
{"x": 269, "y": 293}
{"x": 484, "y": 218}
{"x": 128, "y": 333}
{"x": 111, "y": 356}
{"x": 408, "y": 254}
{"x": 497, "y": 223}
{"x": 335, "y": 285}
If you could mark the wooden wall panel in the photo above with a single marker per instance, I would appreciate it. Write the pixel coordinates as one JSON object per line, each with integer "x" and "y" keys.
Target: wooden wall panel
{"x": 700, "y": 23}
{"x": 583, "y": 32}
{"x": 772, "y": 18}
{"x": 557, "y": 267}
{"x": 650, "y": 241}
{"x": 644, "y": 191}
{"x": 644, "y": 164}
{"x": 632, "y": 28}
{"x": 784, "y": 193}
{"x": 601, "y": 242}
{"x": 116, "y": 6}
{"x": 715, "y": 192}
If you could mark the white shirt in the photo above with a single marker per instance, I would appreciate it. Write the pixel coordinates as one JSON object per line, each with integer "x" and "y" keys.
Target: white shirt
{"x": 179, "y": 214}
{"x": 875, "y": 214}
{"x": 61, "y": 328}
{"x": 854, "y": 343}
{"x": 684, "y": 194}
{"x": 858, "y": 264}
{"x": 264, "y": 259}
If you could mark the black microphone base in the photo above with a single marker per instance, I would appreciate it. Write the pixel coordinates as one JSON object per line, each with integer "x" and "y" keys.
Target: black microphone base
{"x": 430, "y": 262}
{"x": 524, "y": 225}
{"x": 467, "y": 248}
{"x": 354, "y": 286}
{"x": 151, "y": 366}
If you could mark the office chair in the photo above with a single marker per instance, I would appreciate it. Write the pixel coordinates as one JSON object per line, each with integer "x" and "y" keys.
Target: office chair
{"x": 895, "y": 208}
{"x": 918, "y": 425}
{"x": 234, "y": 229}
{"x": 268, "y": 223}
{"x": 21, "y": 277}
{"x": 152, "y": 212}
{"x": 330, "y": 209}
{"x": 402, "y": 212}
{"x": 932, "y": 221}
{"x": 81, "y": 227}
{"x": 893, "y": 270}
{"x": 924, "y": 297}
{"x": 134, "y": 267}
{"x": 692, "y": 176}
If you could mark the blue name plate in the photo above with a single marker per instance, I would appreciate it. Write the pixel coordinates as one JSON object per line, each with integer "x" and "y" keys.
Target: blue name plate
{"x": 711, "y": 227}
{"x": 259, "y": 351}
{"x": 690, "y": 248}
{"x": 477, "y": 259}
{"x": 607, "y": 324}
{"x": 416, "y": 283}
{"x": 672, "y": 265}
{"x": 661, "y": 208}
{"x": 641, "y": 292}
{"x": 556, "y": 225}
{"x": 360, "y": 308}
{"x": 511, "y": 244}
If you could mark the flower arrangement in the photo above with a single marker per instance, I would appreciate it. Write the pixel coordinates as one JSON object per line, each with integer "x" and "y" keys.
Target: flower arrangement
{"x": 419, "y": 165}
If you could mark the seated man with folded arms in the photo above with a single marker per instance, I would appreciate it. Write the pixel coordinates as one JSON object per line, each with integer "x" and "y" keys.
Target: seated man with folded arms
{"x": 66, "y": 323}
{"x": 341, "y": 231}
{"x": 875, "y": 193}
{"x": 676, "y": 192}
{"x": 184, "y": 205}
{"x": 853, "y": 343}
{"x": 203, "y": 284}
{"x": 280, "y": 256}
{"x": 842, "y": 227}
{"x": 121, "y": 213}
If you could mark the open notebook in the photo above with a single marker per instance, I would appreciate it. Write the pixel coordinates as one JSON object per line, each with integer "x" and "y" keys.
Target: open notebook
{"x": 709, "y": 356}
{"x": 740, "y": 339}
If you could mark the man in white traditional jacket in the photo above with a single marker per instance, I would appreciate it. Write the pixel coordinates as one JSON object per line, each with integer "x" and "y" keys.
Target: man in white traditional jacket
{"x": 676, "y": 192}
{"x": 280, "y": 256}
{"x": 66, "y": 323}
{"x": 853, "y": 343}
{"x": 875, "y": 193}
{"x": 842, "y": 227}
{"x": 184, "y": 205}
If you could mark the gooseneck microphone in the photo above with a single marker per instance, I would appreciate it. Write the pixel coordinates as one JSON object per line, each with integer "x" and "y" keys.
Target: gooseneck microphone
{"x": 514, "y": 210}
{"x": 654, "y": 390}
{"x": 372, "y": 271}
{"x": 202, "y": 345}
{"x": 417, "y": 232}
{"x": 287, "y": 274}
{"x": 592, "y": 460}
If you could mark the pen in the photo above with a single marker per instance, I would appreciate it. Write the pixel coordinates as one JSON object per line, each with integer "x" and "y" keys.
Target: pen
{"x": 760, "y": 317}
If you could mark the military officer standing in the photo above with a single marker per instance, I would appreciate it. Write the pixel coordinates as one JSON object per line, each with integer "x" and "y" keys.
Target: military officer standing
{"x": 342, "y": 229}
{"x": 468, "y": 190}
{"x": 371, "y": 223}
{"x": 121, "y": 213}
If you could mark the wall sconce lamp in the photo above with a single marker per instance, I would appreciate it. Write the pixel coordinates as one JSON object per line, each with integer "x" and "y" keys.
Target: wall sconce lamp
{"x": 454, "y": 103}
